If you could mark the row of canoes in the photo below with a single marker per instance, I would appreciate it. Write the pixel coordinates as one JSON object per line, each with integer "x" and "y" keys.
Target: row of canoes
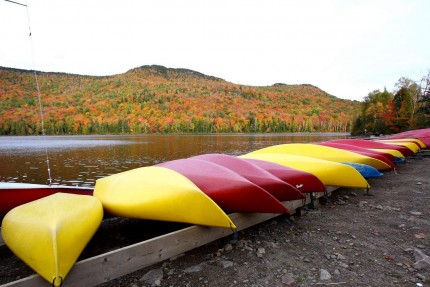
{"x": 50, "y": 233}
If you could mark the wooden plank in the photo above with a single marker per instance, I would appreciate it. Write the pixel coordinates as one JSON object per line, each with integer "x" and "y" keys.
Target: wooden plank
{"x": 108, "y": 266}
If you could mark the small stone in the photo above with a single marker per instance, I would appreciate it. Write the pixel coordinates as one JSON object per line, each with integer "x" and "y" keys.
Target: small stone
{"x": 287, "y": 280}
{"x": 421, "y": 260}
{"x": 419, "y": 183}
{"x": 260, "y": 252}
{"x": 336, "y": 272}
{"x": 402, "y": 225}
{"x": 419, "y": 255}
{"x": 341, "y": 257}
{"x": 343, "y": 265}
{"x": 361, "y": 204}
{"x": 420, "y": 246}
{"x": 228, "y": 247}
{"x": 380, "y": 207}
{"x": 421, "y": 277}
{"x": 152, "y": 277}
{"x": 353, "y": 194}
{"x": 307, "y": 260}
{"x": 226, "y": 264}
{"x": 417, "y": 213}
{"x": 324, "y": 275}
{"x": 193, "y": 269}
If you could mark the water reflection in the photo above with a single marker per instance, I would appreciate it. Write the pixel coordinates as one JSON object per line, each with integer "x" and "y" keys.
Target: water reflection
{"x": 81, "y": 160}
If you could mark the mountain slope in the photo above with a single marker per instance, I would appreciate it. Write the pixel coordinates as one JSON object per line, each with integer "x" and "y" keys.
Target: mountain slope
{"x": 152, "y": 99}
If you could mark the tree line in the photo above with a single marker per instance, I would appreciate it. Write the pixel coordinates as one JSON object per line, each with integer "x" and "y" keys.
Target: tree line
{"x": 406, "y": 108}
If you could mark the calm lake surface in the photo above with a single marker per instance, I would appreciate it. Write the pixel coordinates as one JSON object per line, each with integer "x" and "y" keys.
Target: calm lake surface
{"x": 81, "y": 160}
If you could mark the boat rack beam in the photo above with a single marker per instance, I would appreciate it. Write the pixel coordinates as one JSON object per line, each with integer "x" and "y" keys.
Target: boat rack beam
{"x": 108, "y": 266}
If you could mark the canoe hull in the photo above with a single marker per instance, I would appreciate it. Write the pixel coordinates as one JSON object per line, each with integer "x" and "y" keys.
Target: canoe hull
{"x": 324, "y": 153}
{"x": 50, "y": 233}
{"x": 158, "y": 193}
{"x": 232, "y": 192}
{"x": 327, "y": 171}
{"x": 259, "y": 176}
{"x": 303, "y": 181}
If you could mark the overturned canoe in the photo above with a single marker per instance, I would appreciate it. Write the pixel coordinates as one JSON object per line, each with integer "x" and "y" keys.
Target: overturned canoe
{"x": 158, "y": 193}
{"x": 259, "y": 176}
{"x": 228, "y": 189}
{"x": 418, "y": 142}
{"x": 375, "y": 145}
{"x": 365, "y": 170}
{"x": 303, "y": 181}
{"x": 330, "y": 173}
{"x": 324, "y": 153}
{"x": 413, "y": 146}
{"x": 398, "y": 155}
{"x": 50, "y": 233}
{"x": 421, "y": 134}
{"x": 385, "y": 157}
{"x": 13, "y": 194}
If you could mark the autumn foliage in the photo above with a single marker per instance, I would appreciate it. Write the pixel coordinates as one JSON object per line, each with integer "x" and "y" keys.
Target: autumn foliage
{"x": 155, "y": 99}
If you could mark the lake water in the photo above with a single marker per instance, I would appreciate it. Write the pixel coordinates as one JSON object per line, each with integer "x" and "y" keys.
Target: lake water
{"x": 81, "y": 160}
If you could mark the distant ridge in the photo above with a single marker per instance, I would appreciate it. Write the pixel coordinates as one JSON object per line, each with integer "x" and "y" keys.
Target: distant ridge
{"x": 156, "y": 99}
{"x": 169, "y": 72}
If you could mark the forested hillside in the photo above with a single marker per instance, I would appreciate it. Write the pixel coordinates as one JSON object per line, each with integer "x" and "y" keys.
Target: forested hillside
{"x": 155, "y": 99}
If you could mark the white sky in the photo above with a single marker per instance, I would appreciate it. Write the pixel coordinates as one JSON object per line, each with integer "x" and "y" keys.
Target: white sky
{"x": 347, "y": 48}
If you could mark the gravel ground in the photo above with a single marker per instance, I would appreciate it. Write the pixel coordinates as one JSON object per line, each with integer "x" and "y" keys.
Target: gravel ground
{"x": 351, "y": 240}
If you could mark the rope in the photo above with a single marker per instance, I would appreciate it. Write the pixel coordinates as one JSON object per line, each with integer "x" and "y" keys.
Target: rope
{"x": 39, "y": 97}
{"x": 16, "y": 3}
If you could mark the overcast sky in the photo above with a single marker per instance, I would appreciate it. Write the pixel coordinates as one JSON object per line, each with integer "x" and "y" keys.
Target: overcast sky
{"x": 347, "y": 48}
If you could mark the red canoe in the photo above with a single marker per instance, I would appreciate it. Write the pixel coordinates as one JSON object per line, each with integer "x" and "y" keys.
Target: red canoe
{"x": 422, "y": 134}
{"x": 226, "y": 188}
{"x": 385, "y": 157}
{"x": 304, "y": 181}
{"x": 261, "y": 177}
{"x": 375, "y": 145}
{"x": 13, "y": 194}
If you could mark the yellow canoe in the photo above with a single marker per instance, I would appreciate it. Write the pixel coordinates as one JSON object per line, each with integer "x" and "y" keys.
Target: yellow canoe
{"x": 325, "y": 153}
{"x": 417, "y": 141}
{"x": 411, "y": 145}
{"x": 50, "y": 233}
{"x": 330, "y": 173}
{"x": 158, "y": 193}
{"x": 390, "y": 151}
